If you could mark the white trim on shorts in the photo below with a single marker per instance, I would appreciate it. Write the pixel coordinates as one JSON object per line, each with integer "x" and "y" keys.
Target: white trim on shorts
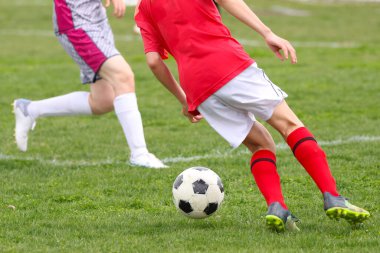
{"x": 233, "y": 109}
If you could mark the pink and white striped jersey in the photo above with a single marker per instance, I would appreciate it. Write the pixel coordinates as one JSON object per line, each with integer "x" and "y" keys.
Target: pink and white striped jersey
{"x": 73, "y": 14}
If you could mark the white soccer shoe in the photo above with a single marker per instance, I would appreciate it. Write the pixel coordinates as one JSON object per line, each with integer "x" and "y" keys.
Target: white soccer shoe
{"x": 24, "y": 123}
{"x": 147, "y": 160}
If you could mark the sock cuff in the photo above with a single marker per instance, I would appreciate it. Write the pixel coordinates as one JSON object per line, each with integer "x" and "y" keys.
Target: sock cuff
{"x": 263, "y": 156}
{"x": 125, "y": 102}
{"x": 300, "y": 134}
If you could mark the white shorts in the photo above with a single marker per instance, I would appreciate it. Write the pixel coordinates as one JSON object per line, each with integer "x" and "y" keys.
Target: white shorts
{"x": 231, "y": 111}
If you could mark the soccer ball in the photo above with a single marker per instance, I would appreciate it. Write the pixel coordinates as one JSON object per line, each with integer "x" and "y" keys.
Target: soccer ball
{"x": 198, "y": 192}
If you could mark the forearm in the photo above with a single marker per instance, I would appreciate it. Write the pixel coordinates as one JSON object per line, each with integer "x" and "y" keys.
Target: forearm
{"x": 163, "y": 74}
{"x": 240, "y": 10}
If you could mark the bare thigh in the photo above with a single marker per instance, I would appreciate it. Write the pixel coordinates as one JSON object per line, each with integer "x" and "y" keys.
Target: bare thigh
{"x": 259, "y": 138}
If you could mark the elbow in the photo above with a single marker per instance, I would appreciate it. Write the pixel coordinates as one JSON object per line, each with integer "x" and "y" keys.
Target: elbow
{"x": 153, "y": 60}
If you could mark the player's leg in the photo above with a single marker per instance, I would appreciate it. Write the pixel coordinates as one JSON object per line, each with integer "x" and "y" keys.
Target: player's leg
{"x": 27, "y": 112}
{"x": 263, "y": 163}
{"x": 304, "y": 147}
{"x": 83, "y": 50}
{"x": 98, "y": 101}
{"x": 118, "y": 74}
{"x": 237, "y": 126}
{"x": 264, "y": 171}
{"x": 307, "y": 151}
{"x": 101, "y": 97}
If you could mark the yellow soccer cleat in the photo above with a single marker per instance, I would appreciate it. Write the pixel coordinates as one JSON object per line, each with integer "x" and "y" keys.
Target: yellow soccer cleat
{"x": 338, "y": 207}
{"x": 280, "y": 219}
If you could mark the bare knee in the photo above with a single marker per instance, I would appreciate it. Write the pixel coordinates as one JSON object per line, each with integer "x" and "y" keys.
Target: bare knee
{"x": 259, "y": 138}
{"x": 288, "y": 127}
{"x": 123, "y": 82}
{"x": 117, "y": 73}
{"x": 284, "y": 120}
{"x": 267, "y": 144}
{"x": 101, "y": 105}
{"x": 101, "y": 97}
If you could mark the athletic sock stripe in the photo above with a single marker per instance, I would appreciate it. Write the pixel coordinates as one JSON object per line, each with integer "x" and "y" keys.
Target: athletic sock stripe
{"x": 301, "y": 141}
{"x": 263, "y": 160}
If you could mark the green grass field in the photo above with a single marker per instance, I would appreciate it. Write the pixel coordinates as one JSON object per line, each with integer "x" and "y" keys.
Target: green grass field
{"x": 73, "y": 191}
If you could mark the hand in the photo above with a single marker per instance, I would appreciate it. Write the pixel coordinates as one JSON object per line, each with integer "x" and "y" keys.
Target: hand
{"x": 277, "y": 44}
{"x": 118, "y": 7}
{"x": 191, "y": 117}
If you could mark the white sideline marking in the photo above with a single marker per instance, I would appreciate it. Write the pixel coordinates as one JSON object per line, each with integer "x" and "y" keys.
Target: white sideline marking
{"x": 289, "y": 11}
{"x": 245, "y": 42}
{"x": 172, "y": 160}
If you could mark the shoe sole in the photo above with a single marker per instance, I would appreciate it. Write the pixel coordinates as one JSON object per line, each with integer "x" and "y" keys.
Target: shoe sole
{"x": 275, "y": 223}
{"x": 352, "y": 217}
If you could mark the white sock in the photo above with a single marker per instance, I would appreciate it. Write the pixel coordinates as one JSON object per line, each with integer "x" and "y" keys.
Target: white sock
{"x": 75, "y": 103}
{"x": 129, "y": 117}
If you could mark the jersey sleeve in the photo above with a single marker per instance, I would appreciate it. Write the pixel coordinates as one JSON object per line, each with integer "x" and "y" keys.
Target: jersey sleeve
{"x": 151, "y": 37}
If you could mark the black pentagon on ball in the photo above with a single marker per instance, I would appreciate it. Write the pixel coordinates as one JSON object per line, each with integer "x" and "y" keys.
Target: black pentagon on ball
{"x": 185, "y": 206}
{"x": 200, "y": 168}
{"x": 211, "y": 208}
{"x": 220, "y": 185}
{"x": 200, "y": 186}
{"x": 178, "y": 181}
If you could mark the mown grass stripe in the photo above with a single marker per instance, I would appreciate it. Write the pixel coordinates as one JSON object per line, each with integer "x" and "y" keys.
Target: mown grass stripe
{"x": 178, "y": 159}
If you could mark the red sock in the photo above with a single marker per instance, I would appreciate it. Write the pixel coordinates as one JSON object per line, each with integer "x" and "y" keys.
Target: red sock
{"x": 307, "y": 151}
{"x": 263, "y": 168}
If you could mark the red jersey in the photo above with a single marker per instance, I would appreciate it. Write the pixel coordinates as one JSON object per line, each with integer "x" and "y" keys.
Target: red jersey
{"x": 193, "y": 33}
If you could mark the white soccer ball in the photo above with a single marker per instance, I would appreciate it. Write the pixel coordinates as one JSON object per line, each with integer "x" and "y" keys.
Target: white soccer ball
{"x": 198, "y": 192}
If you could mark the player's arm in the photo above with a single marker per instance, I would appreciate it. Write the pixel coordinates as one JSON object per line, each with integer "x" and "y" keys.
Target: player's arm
{"x": 240, "y": 10}
{"x": 118, "y": 7}
{"x": 163, "y": 74}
